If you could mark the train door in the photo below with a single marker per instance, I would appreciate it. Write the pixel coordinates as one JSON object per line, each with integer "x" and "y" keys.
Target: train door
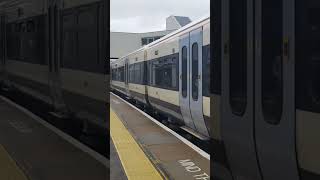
{"x": 53, "y": 24}
{"x": 237, "y": 95}
{"x": 274, "y": 89}
{"x": 190, "y": 81}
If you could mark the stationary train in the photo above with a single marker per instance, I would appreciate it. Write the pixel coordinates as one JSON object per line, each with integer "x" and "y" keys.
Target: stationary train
{"x": 55, "y": 51}
{"x": 265, "y": 91}
{"x": 171, "y": 77}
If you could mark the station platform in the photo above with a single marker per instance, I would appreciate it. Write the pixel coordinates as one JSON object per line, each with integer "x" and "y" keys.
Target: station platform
{"x": 146, "y": 149}
{"x": 32, "y": 149}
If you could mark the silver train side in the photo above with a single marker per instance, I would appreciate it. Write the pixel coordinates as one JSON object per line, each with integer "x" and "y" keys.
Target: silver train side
{"x": 265, "y": 93}
{"x": 55, "y": 51}
{"x": 171, "y": 77}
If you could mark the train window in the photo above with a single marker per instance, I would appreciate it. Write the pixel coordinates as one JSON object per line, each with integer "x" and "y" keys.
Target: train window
{"x": 215, "y": 66}
{"x": 122, "y": 74}
{"x": 206, "y": 70}
{"x": 307, "y": 55}
{"x": 30, "y": 26}
{"x": 174, "y": 73}
{"x": 17, "y": 27}
{"x": 137, "y": 74}
{"x": 195, "y": 73}
{"x": 22, "y": 27}
{"x": 131, "y": 73}
{"x": 238, "y": 56}
{"x": 87, "y": 40}
{"x": 145, "y": 73}
{"x": 155, "y": 64}
{"x": 272, "y": 68}
{"x": 184, "y": 72}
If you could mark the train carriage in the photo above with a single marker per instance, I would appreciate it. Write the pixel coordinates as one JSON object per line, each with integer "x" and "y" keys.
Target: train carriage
{"x": 267, "y": 55}
{"x": 168, "y": 76}
{"x": 55, "y": 51}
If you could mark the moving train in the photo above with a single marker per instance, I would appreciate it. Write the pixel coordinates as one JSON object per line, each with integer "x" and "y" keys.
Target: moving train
{"x": 265, "y": 91}
{"x": 55, "y": 51}
{"x": 171, "y": 77}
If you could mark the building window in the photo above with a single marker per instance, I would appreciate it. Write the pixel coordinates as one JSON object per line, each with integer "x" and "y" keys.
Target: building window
{"x": 144, "y": 41}
{"x": 148, "y": 40}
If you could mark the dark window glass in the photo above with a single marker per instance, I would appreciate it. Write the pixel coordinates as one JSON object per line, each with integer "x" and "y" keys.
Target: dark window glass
{"x": 154, "y": 77}
{"x": 137, "y": 73}
{"x": 206, "y": 70}
{"x": 122, "y": 74}
{"x": 215, "y": 68}
{"x": 69, "y": 58}
{"x": 31, "y": 26}
{"x": 272, "y": 60}
{"x": 174, "y": 72}
{"x": 87, "y": 39}
{"x": 131, "y": 73}
{"x": 307, "y": 55}
{"x": 195, "y": 74}
{"x": 184, "y": 56}
{"x": 144, "y": 41}
{"x": 238, "y": 56}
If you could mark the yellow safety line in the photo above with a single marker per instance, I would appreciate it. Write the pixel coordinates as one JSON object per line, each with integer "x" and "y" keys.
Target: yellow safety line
{"x": 135, "y": 163}
{"x": 8, "y": 167}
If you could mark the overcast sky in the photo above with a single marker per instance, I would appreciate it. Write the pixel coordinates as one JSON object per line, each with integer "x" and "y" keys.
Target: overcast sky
{"x": 150, "y": 15}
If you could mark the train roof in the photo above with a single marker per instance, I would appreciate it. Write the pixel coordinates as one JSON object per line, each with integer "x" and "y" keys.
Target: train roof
{"x": 190, "y": 25}
{"x": 194, "y": 23}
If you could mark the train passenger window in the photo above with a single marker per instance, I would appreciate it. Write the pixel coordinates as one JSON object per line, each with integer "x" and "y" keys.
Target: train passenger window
{"x": 154, "y": 65}
{"x": 158, "y": 73}
{"x": 174, "y": 75}
{"x": 308, "y": 55}
{"x": 137, "y": 74}
{"x": 30, "y": 26}
{"x": 122, "y": 74}
{"x": 184, "y": 72}
{"x": 131, "y": 72}
{"x": 22, "y": 27}
{"x": 195, "y": 73}
{"x": 206, "y": 70}
{"x": 272, "y": 68}
{"x": 166, "y": 74}
{"x": 238, "y": 56}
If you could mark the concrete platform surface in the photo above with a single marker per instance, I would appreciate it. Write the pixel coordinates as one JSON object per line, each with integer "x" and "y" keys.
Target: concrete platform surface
{"x": 34, "y": 152}
{"x": 173, "y": 158}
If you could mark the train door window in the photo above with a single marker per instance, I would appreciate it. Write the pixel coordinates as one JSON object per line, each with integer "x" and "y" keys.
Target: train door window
{"x": 272, "y": 60}
{"x": 184, "y": 72}
{"x": 238, "y": 56}
{"x": 174, "y": 73}
{"x": 195, "y": 66}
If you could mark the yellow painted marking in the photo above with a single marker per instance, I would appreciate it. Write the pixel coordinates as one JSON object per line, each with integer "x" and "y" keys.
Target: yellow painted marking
{"x": 135, "y": 163}
{"x": 8, "y": 167}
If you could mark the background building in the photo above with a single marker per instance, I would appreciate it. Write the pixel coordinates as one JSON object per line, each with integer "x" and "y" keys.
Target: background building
{"x": 122, "y": 43}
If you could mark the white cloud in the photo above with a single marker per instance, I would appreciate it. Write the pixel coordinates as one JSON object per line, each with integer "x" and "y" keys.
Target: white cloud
{"x": 150, "y": 15}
